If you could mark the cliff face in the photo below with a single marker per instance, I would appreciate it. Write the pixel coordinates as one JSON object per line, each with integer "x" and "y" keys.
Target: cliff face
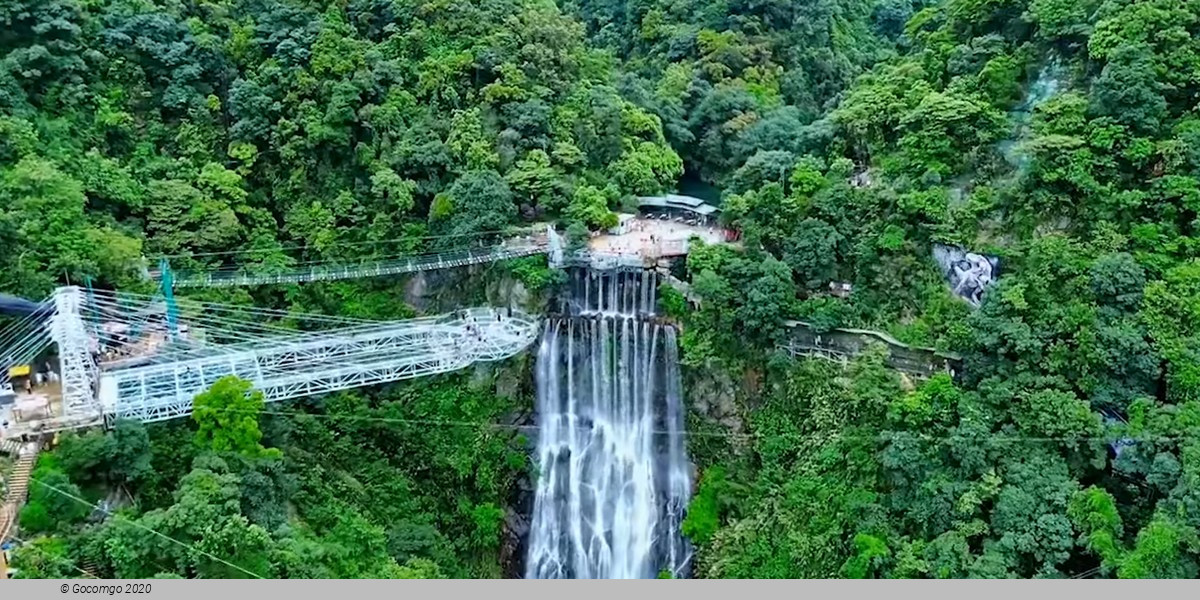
{"x": 712, "y": 394}
{"x": 440, "y": 291}
{"x": 432, "y": 292}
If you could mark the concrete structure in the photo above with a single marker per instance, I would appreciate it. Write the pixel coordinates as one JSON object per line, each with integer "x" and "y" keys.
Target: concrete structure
{"x": 653, "y": 239}
{"x": 841, "y": 345}
{"x": 624, "y": 220}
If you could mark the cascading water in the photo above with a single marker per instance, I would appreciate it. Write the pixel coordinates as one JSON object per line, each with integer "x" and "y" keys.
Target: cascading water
{"x": 614, "y": 475}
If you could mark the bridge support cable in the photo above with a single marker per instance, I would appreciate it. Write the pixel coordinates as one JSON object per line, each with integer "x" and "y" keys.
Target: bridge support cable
{"x": 127, "y": 364}
{"x": 337, "y": 271}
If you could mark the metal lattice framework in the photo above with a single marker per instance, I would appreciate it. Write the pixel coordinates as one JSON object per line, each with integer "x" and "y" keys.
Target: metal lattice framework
{"x": 375, "y": 268}
{"x": 311, "y": 364}
{"x": 76, "y": 365}
{"x": 127, "y": 356}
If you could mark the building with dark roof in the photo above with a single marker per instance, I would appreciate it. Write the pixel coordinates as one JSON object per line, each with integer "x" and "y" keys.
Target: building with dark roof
{"x": 676, "y": 202}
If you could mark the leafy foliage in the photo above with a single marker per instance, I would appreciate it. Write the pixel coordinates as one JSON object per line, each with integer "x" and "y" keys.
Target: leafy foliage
{"x": 1056, "y": 135}
{"x": 848, "y": 137}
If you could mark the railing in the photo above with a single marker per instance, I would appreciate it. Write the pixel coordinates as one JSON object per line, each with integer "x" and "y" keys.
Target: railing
{"x": 318, "y": 363}
{"x": 840, "y": 345}
{"x": 332, "y": 272}
{"x": 18, "y": 489}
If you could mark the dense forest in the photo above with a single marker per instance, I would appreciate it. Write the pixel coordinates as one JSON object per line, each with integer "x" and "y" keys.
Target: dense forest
{"x": 847, "y": 137}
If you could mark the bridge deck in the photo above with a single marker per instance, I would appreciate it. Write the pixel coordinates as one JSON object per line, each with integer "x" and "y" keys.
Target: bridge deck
{"x": 333, "y": 272}
{"x": 160, "y": 387}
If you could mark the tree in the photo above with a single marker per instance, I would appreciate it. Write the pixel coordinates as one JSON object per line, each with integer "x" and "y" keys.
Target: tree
{"x": 534, "y": 181}
{"x": 395, "y": 193}
{"x": 646, "y": 169}
{"x": 203, "y": 523}
{"x": 589, "y": 205}
{"x": 43, "y": 558}
{"x": 481, "y": 201}
{"x": 764, "y": 166}
{"x": 1172, "y": 309}
{"x": 1065, "y": 20}
{"x": 1157, "y": 553}
{"x": 768, "y": 299}
{"x": 119, "y": 457}
{"x": 812, "y": 252}
{"x": 183, "y": 218}
{"x": 1094, "y": 514}
{"x": 226, "y": 418}
{"x": 704, "y": 511}
{"x": 1118, "y": 281}
{"x": 54, "y": 503}
{"x": 47, "y": 231}
{"x": 1127, "y": 90}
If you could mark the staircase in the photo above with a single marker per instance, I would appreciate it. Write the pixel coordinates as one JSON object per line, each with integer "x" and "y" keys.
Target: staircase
{"x": 88, "y": 566}
{"x": 18, "y": 489}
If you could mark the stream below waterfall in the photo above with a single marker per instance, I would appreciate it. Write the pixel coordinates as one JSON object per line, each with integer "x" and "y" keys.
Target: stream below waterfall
{"x": 613, "y": 472}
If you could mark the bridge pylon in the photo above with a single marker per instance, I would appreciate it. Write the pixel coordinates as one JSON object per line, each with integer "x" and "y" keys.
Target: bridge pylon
{"x": 77, "y": 367}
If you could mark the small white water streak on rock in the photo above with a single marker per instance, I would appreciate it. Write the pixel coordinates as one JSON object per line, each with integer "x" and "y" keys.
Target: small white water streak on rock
{"x": 614, "y": 478}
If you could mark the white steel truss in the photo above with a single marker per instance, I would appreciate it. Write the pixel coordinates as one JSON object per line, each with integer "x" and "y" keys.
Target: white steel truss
{"x": 289, "y": 364}
{"x": 76, "y": 365}
{"x": 319, "y": 363}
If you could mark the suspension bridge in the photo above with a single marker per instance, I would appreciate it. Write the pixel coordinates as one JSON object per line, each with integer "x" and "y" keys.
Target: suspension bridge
{"x": 129, "y": 356}
{"x": 370, "y": 267}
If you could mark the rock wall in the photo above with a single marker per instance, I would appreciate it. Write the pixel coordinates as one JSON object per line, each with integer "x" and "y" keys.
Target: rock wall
{"x": 712, "y": 394}
{"x": 434, "y": 292}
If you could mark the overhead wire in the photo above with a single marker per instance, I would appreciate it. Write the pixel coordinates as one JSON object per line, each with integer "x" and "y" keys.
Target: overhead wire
{"x": 26, "y": 545}
{"x": 821, "y": 436}
{"x": 512, "y": 231}
{"x": 122, "y": 519}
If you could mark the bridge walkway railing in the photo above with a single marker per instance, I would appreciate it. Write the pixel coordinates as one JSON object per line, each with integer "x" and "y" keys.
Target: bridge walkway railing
{"x": 332, "y": 272}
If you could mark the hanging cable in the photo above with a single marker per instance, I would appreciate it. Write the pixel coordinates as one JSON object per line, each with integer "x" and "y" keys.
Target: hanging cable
{"x": 122, "y": 519}
{"x": 473, "y": 234}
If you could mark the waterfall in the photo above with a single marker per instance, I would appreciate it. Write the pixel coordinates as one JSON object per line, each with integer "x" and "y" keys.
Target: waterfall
{"x": 614, "y": 478}
{"x": 1051, "y": 77}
